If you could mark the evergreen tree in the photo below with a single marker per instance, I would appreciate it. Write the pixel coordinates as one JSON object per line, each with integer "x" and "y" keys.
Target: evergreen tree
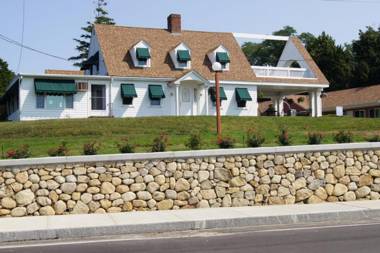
{"x": 83, "y": 42}
{"x": 6, "y": 76}
{"x": 366, "y": 53}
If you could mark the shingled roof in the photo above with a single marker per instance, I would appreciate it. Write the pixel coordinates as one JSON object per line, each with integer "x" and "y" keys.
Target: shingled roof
{"x": 352, "y": 98}
{"x": 116, "y": 41}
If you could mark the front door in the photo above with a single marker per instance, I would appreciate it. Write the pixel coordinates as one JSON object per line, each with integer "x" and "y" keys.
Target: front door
{"x": 98, "y": 100}
{"x": 188, "y": 101}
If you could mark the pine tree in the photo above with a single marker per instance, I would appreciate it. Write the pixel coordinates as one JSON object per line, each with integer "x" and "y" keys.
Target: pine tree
{"x": 101, "y": 17}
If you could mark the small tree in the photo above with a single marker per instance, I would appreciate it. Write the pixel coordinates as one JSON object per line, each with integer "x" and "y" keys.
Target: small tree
{"x": 284, "y": 138}
{"x": 125, "y": 146}
{"x": 194, "y": 142}
{"x": 254, "y": 138}
{"x": 160, "y": 143}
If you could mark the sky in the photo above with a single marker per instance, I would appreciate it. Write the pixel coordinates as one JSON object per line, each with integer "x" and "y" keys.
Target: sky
{"x": 51, "y": 25}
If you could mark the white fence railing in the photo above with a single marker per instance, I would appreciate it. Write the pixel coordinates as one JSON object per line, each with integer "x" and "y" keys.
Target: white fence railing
{"x": 267, "y": 71}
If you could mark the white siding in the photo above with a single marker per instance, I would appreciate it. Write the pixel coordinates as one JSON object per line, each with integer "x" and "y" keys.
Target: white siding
{"x": 94, "y": 47}
{"x": 141, "y": 105}
{"x": 82, "y": 104}
{"x": 229, "y": 106}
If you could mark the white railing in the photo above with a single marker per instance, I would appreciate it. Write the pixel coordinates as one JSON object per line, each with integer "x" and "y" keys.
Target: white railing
{"x": 281, "y": 72}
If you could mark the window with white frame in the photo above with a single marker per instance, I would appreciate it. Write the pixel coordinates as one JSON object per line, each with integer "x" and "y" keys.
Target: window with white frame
{"x": 52, "y": 102}
{"x": 141, "y": 55}
{"x": 181, "y": 56}
{"x": 221, "y": 55}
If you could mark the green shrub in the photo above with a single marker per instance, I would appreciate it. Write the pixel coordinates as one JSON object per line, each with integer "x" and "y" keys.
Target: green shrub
{"x": 160, "y": 143}
{"x": 254, "y": 138}
{"x": 61, "y": 150}
{"x": 343, "y": 137}
{"x": 226, "y": 142}
{"x": 125, "y": 146}
{"x": 194, "y": 141}
{"x": 283, "y": 138}
{"x": 314, "y": 138}
{"x": 374, "y": 138}
{"x": 91, "y": 148}
{"x": 19, "y": 153}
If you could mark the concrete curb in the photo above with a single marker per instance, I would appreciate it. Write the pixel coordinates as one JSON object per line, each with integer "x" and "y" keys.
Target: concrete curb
{"x": 187, "y": 154}
{"x": 82, "y": 226}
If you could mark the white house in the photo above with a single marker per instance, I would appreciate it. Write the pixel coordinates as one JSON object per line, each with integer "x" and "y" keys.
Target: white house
{"x": 134, "y": 72}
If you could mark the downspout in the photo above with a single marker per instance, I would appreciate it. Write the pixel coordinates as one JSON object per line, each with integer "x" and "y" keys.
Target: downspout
{"x": 110, "y": 97}
{"x": 19, "y": 97}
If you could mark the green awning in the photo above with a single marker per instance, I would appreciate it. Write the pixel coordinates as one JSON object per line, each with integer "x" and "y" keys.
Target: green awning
{"x": 142, "y": 53}
{"x": 55, "y": 87}
{"x": 156, "y": 92}
{"x": 183, "y": 55}
{"x": 222, "y": 57}
{"x": 242, "y": 94}
{"x": 128, "y": 91}
{"x": 221, "y": 92}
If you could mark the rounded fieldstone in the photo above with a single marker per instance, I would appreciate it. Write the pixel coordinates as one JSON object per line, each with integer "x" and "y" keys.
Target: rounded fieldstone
{"x": 363, "y": 192}
{"x": 166, "y": 204}
{"x": 144, "y": 195}
{"x": 107, "y": 188}
{"x": 182, "y": 185}
{"x": 340, "y": 189}
{"x": 47, "y": 211}
{"x": 68, "y": 188}
{"x": 8, "y": 203}
{"x": 22, "y": 177}
{"x": 128, "y": 196}
{"x": 60, "y": 207}
{"x": 80, "y": 208}
{"x": 18, "y": 212}
{"x": 24, "y": 197}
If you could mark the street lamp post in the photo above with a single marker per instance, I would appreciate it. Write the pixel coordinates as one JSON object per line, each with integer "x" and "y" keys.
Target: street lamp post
{"x": 217, "y": 67}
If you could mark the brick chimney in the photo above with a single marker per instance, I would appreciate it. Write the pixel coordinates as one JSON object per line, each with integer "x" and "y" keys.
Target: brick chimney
{"x": 174, "y": 23}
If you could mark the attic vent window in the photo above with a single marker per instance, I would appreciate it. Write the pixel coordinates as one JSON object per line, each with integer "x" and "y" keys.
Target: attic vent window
{"x": 183, "y": 56}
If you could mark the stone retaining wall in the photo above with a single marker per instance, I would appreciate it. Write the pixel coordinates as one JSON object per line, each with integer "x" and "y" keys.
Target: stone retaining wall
{"x": 200, "y": 182}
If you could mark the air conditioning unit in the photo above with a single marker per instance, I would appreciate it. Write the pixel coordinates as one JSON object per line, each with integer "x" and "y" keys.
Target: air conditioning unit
{"x": 82, "y": 86}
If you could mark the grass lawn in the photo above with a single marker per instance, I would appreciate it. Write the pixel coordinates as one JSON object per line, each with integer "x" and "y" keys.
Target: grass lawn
{"x": 43, "y": 135}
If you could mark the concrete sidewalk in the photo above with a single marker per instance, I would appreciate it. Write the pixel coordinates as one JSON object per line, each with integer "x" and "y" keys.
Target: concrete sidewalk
{"x": 81, "y": 226}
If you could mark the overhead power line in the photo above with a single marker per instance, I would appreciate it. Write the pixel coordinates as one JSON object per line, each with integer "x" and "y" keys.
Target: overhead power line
{"x": 22, "y": 35}
{"x": 19, "y": 44}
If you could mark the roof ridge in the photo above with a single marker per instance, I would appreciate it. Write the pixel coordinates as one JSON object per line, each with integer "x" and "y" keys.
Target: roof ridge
{"x": 353, "y": 88}
{"x": 156, "y": 28}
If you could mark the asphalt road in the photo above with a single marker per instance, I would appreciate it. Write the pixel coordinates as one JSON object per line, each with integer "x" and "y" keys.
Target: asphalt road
{"x": 357, "y": 238}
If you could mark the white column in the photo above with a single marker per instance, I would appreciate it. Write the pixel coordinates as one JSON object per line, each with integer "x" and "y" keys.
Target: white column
{"x": 275, "y": 105}
{"x": 206, "y": 98}
{"x": 281, "y": 106}
{"x": 177, "y": 99}
{"x": 318, "y": 102}
{"x": 312, "y": 104}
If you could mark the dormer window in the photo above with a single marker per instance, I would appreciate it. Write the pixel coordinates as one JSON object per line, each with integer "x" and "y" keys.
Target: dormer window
{"x": 181, "y": 57}
{"x": 140, "y": 54}
{"x": 221, "y": 55}
{"x": 222, "y": 58}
